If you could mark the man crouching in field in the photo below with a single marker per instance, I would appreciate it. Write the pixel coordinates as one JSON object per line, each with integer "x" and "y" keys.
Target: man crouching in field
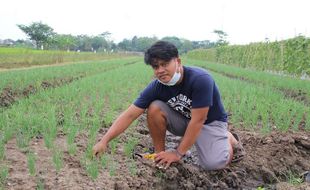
{"x": 185, "y": 101}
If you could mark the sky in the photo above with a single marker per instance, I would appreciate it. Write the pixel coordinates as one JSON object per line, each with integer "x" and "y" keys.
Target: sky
{"x": 244, "y": 21}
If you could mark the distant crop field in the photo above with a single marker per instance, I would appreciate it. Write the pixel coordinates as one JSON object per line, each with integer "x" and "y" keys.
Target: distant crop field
{"x": 23, "y": 57}
{"x": 289, "y": 56}
{"x": 256, "y": 98}
{"x": 51, "y": 117}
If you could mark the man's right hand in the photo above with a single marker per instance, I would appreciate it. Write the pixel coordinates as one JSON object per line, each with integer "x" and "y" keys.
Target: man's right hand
{"x": 99, "y": 148}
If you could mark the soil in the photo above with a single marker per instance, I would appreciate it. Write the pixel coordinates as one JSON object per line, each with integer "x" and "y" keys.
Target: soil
{"x": 270, "y": 160}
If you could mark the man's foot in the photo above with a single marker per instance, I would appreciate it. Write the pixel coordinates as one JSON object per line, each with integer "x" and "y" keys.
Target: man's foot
{"x": 238, "y": 150}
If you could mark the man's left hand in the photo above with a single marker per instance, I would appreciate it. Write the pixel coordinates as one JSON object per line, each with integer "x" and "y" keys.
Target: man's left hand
{"x": 165, "y": 158}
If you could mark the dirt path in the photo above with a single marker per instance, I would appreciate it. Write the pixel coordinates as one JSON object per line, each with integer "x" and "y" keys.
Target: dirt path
{"x": 40, "y": 66}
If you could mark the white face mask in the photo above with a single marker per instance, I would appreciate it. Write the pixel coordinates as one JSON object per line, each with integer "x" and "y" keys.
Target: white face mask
{"x": 176, "y": 77}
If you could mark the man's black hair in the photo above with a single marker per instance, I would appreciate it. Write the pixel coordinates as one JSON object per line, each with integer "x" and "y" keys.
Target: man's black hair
{"x": 161, "y": 50}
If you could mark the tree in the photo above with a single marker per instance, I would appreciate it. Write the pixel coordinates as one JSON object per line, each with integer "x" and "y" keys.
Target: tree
{"x": 125, "y": 45}
{"x": 186, "y": 46}
{"x": 38, "y": 32}
{"x": 134, "y": 43}
{"x": 106, "y": 35}
{"x": 65, "y": 42}
{"x": 174, "y": 40}
{"x": 143, "y": 43}
{"x": 84, "y": 43}
{"x": 139, "y": 44}
{"x": 221, "y": 38}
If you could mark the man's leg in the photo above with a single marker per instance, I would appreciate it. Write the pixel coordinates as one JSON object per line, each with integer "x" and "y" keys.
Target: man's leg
{"x": 161, "y": 117}
{"x": 214, "y": 146}
{"x": 156, "y": 122}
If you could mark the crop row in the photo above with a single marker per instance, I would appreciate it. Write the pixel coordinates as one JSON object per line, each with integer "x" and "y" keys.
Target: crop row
{"x": 292, "y": 56}
{"x": 17, "y": 57}
{"x": 85, "y": 106}
{"x": 286, "y": 84}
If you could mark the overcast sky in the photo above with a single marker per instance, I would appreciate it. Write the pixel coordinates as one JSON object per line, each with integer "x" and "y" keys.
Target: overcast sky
{"x": 244, "y": 21}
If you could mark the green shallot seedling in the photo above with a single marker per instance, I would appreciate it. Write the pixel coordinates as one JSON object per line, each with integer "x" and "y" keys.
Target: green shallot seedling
{"x": 104, "y": 160}
{"x": 57, "y": 159}
{"x": 31, "y": 163}
{"x": 2, "y": 149}
{"x": 113, "y": 145}
{"x": 129, "y": 146}
{"x": 40, "y": 184}
{"x": 4, "y": 172}
{"x": 132, "y": 167}
{"x": 112, "y": 168}
{"x": 92, "y": 169}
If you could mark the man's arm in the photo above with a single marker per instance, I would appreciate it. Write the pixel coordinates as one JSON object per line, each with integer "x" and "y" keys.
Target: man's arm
{"x": 199, "y": 116}
{"x": 119, "y": 126}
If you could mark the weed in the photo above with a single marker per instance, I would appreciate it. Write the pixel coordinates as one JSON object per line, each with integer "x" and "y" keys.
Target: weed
{"x": 293, "y": 179}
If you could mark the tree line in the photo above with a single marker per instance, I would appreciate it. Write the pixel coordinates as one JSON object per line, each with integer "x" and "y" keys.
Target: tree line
{"x": 42, "y": 36}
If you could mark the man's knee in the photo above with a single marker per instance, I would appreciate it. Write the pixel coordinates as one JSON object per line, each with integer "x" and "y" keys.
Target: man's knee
{"x": 155, "y": 108}
{"x": 155, "y": 116}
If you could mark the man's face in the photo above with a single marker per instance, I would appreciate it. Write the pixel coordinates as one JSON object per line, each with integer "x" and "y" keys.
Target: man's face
{"x": 164, "y": 70}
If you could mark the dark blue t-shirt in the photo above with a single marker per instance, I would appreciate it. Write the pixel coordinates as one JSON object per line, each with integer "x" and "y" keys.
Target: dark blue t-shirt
{"x": 197, "y": 90}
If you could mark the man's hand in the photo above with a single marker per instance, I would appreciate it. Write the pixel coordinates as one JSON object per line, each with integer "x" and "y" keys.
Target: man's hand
{"x": 99, "y": 148}
{"x": 165, "y": 158}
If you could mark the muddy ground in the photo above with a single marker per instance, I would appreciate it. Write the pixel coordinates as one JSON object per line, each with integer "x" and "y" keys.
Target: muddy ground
{"x": 269, "y": 162}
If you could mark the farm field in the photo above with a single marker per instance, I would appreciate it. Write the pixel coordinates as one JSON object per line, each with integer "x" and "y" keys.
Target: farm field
{"x": 25, "y": 57}
{"x": 51, "y": 117}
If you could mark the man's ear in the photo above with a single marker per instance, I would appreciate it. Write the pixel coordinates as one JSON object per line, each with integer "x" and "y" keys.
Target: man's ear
{"x": 179, "y": 62}
{"x": 178, "y": 65}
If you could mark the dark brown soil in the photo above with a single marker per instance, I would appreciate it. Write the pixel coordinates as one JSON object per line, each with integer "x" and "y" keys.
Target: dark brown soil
{"x": 269, "y": 161}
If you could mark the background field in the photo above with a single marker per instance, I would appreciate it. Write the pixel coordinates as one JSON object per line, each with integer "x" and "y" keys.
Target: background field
{"x": 62, "y": 109}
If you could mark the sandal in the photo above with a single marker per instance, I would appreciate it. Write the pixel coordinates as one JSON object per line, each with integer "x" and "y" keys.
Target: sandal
{"x": 238, "y": 150}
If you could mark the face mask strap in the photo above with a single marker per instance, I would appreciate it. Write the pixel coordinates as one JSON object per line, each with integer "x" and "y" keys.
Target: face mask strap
{"x": 178, "y": 68}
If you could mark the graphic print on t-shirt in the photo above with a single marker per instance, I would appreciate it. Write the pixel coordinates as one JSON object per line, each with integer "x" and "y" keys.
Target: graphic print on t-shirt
{"x": 182, "y": 104}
